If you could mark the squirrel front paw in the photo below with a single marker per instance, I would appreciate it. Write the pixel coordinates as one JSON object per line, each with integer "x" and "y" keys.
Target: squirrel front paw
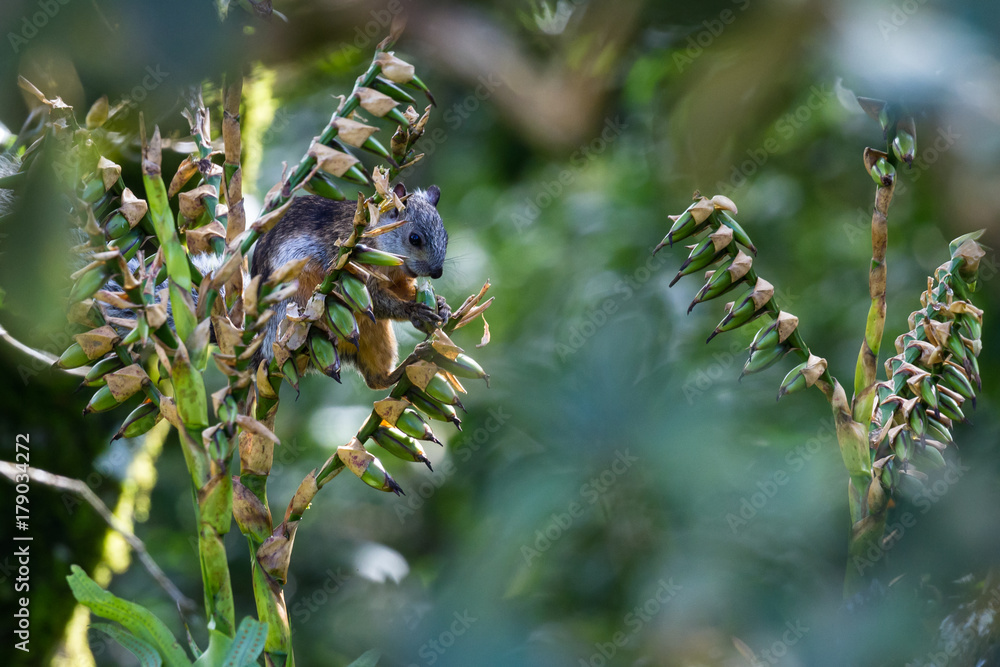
{"x": 423, "y": 317}
{"x": 444, "y": 310}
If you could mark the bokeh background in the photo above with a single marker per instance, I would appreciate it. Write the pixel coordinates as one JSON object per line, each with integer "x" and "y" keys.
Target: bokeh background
{"x": 616, "y": 496}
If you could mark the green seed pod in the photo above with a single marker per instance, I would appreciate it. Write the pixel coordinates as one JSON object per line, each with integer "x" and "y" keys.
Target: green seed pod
{"x": 355, "y": 294}
{"x": 973, "y": 326}
{"x": 415, "y": 82}
{"x": 723, "y": 279}
{"x": 950, "y": 408}
{"x": 802, "y": 376}
{"x": 366, "y": 255}
{"x": 793, "y": 381}
{"x": 376, "y": 477}
{"x": 139, "y": 333}
{"x": 411, "y": 423}
{"x": 918, "y": 422}
{"x": 88, "y": 283}
{"x": 929, "y": 457}
{"x": 956, "y": 379}
{"x": 904, "y": 145}
{"x": 751, "y": 306}
{"x": 340, "y": 320}
{"x": 463, "y": 366}
{"x": 393, "y": 91}
{"x": 324, "y": 355}
{"x": 400, "y": 445}
{"x": 776, "y": 332}
{"x": 139, "y": 421}
{"x": 763, "y": 359}
{"x": 128, "y": 243}
{"x": 73, "y": 357}
{"x": 739, "y": 235}
{"x": 93, "y": 190}
{"x": 440, "y": 390}
{"x": 290, "y": 373}
{"x": 102, "y": 401}
{"x": 883, "y": 173}
{"x": 355, "y": 175}
{"x": 425, "y": 293}
{"x": 323, "y": 187}
{"x": 372, "y": 145}
{"x": 684, "y": 225}
{"x": 95, "y": 376}
{"x": 432, "y": 408}
{"x": 707, "y": 252}
{"x": 228, "y": 409}
{"x": 116, "y": 226}
{"x": 397, "y": 116}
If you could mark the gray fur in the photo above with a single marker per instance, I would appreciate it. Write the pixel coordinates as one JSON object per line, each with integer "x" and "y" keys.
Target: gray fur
{"x": 425, "y": 221}
{"x": 205, "y": 262}
{"x": 8, "y": 167}
{"x": 313, "y": 225}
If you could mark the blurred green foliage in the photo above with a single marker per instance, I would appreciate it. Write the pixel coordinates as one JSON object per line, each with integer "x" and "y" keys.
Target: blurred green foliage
{"x": 616, "y": 491}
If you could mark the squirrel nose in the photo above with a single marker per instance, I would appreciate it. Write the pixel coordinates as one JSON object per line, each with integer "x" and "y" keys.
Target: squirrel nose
{"x": 436, "y": 273}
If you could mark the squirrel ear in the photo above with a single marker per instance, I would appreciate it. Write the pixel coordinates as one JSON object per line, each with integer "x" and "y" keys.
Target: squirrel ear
{"x": 400, "y": 190}
{"x": 433, "y": 194}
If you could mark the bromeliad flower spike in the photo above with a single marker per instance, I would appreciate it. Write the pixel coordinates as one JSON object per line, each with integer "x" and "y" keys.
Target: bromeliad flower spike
{"x": 894, "y": 432}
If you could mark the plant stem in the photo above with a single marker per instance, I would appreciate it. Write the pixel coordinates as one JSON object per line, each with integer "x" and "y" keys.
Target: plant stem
{"x": 867, "y": 367}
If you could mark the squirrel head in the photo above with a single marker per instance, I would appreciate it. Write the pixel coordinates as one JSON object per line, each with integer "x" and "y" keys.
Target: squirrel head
{"x": 423, "y": 239}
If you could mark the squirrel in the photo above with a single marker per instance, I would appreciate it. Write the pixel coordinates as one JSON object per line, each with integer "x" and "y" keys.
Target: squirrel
{"x": 314, "y": 226}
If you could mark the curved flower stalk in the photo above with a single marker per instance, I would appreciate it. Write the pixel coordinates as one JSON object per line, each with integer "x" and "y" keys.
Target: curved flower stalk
{"x": 890, "y": 430}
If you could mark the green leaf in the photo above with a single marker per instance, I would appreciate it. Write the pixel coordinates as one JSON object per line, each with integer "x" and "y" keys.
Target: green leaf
{"x": 247, "y": 645}
{"x": 368, "y": 659}
{"x": 146, "y": 653}
{"x": 218, "y": 647}
{"x": 954, "y": 245}
{"x": 137, "y": 619}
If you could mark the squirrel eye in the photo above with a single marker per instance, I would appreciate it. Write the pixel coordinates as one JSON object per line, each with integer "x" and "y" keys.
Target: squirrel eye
{"x": 415, "y": 240}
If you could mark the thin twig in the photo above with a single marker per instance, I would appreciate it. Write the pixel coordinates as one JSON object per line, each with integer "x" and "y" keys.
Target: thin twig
{"x": 184, "y": 604}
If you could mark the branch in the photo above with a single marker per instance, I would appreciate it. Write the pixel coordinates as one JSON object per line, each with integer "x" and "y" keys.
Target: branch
{"x": 184, "y": 604}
